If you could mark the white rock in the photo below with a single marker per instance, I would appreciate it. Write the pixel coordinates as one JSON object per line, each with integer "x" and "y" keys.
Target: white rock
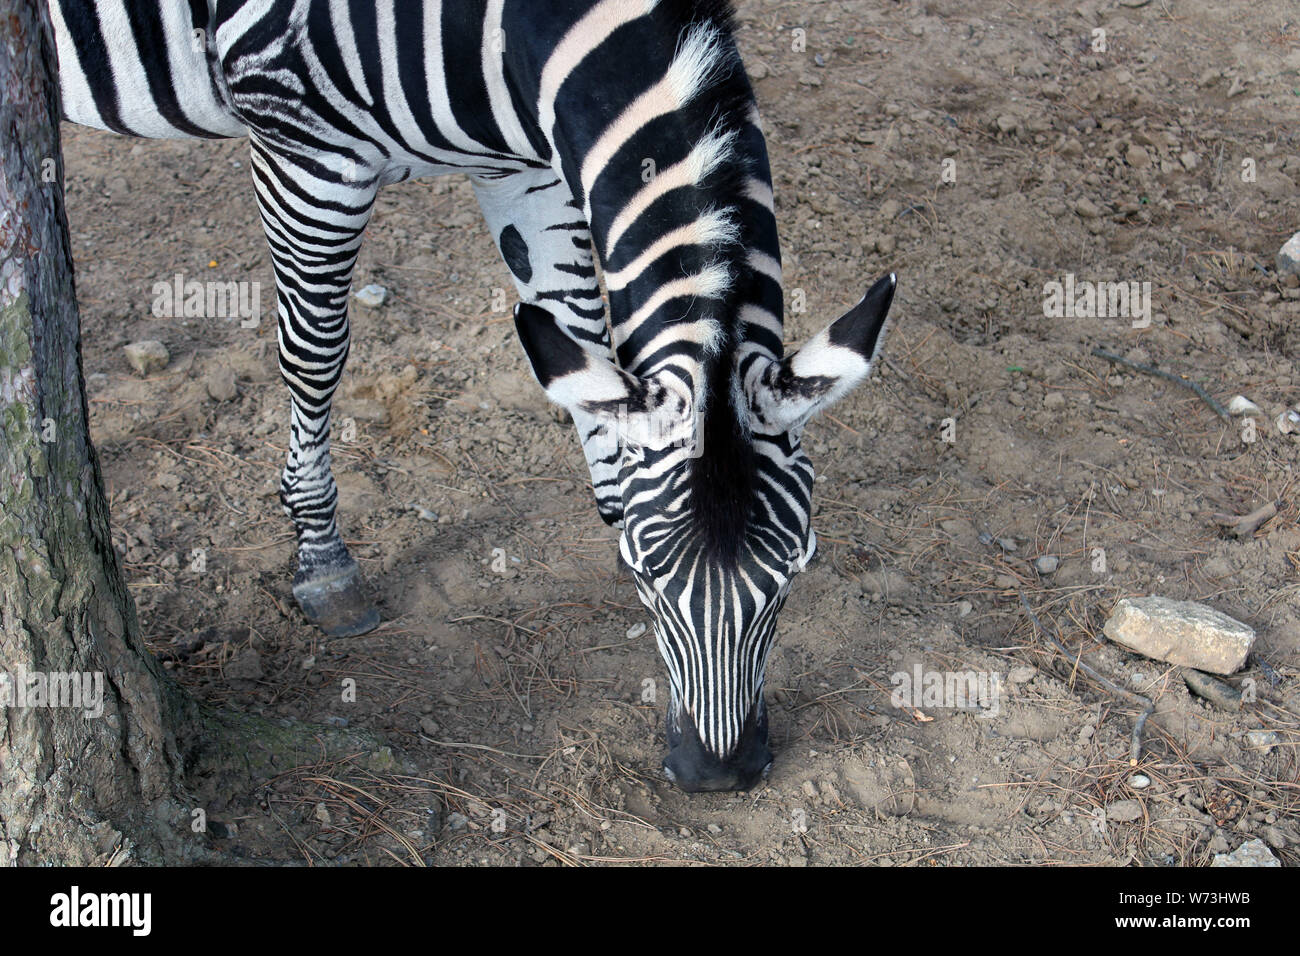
{"x": 1139, "y": 781}
{"x": 147, "y": 357}
{"x": 1289, "y": 421}
{"x": 1254, "y": 853}
{"x": 1181, "y": 632}
{"x": 635, "y": 631}
{"x": 1241, "y": 405}
{"x": 1264, "y": 740}
{"x": 1288, "y": 257}
{"x": 372, "y": 296}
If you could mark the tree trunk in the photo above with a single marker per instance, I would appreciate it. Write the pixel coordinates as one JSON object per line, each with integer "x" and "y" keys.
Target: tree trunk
{"x": 78, "y": 784}
{"x": 100, "y": 751}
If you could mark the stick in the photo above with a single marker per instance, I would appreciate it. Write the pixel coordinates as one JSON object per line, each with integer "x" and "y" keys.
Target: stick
{"x": 1201, "y": 393}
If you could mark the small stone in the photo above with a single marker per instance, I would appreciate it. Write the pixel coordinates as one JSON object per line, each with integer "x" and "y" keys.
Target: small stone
{"x": 457, "y": 821}
{"x": 1139, "y": 781}
{"x": 1181, "y": 632}
{"x": 1263, "y": 740}
{"x": 1275, "y": 838}
{"x": 428, "y": 726}
{"x": 1008, "y": 123}
{"x": 322, "y": 815}
{"x": 147, "y": 357}
{"x": 1189, "y": 160}
{"x": 245, "y": 665}
{"x": 1289, "y": 421}
{"x": 1241, "y": 405}
{"x": 1086, "y": 208}
{"x": 1054, "y": 400}
{"x": 1288, "y": 257}
{"x": 1006, "y": 582}
{"x": 372, "y": 296}
{"x": 220, "y": 383}
{"x": 1022, "y": 675}
{"x": 1007, "y": 544}
{"x": 635, "y": 631}
{"x": 964, "y": 608}
{"x": 715, "y": 829}
{"x": 1124, "y": 811}
{"x": 1254, "y": 853}
{"x": 1047, "y": 564}
{"x": 1137, "y": 157}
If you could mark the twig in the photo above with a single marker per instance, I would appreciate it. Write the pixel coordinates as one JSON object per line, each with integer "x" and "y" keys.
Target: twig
{"x": 1201, "y": 393}
{"x": 1135, "y": 747}
{"x": 1243, "y": 526}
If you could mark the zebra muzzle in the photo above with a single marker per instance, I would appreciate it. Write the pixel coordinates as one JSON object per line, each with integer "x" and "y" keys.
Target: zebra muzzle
{"x": 695, "y": 769}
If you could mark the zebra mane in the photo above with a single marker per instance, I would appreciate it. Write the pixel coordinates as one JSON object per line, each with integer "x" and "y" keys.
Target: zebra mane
{"x": 723, "y": 477}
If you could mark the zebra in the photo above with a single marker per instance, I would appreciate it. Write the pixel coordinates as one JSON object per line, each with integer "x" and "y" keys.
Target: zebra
{"x": 614, "y": 133}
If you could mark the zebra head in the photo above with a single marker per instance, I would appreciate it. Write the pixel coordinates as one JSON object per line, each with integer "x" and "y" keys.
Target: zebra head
{"x": 716, "y": 505}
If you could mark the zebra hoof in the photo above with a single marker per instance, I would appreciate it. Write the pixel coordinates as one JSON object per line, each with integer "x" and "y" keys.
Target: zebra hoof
{"x": 336, "y": 602}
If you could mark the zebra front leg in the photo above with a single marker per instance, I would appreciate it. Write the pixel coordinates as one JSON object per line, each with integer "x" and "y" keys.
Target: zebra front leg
{"x": 546, "y": 244}
{"x": 314, "y": 225}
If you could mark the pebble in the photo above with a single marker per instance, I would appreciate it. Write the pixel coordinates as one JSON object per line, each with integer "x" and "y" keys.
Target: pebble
{"x": 1007, "y": 544}
{"x": 220, "y": 383}
{"x": 1047, "y": 564}
{"x": 1124, "y": 811}
{"x": 1137, "y": 157}
{"x": 1264, "y": 740}
{"x": 1054, "y": 400}
{"x": 1241, "y": 405}
{"x": 1086, "y": 208}
{"x": 1022, "y": 675}
{"x": 372, "y": 296}
{"x": 636, "y": 630}
{"x": 147, "y": 357}
{"x": 1288, "y": 257}
{"x": 1139, "y": 781}
{"x": 1253, "y": 853}
{"x": 428, "y": 726}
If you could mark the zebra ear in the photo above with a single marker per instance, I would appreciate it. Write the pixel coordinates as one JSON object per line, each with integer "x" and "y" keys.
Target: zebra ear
{"x": 784, "y": 395}
{"x": 643, "y": 412}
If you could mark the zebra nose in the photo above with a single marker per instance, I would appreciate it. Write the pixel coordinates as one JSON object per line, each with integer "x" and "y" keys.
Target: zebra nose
{"x": 693, "y": 768}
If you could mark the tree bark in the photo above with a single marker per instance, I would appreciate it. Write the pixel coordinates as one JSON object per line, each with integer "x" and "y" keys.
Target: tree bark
{"x": 75, "y": 787}
{"x": 121, "y": 778}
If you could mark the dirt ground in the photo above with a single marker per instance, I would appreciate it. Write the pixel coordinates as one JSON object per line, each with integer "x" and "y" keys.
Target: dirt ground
{"x": 1163, "y": 150}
